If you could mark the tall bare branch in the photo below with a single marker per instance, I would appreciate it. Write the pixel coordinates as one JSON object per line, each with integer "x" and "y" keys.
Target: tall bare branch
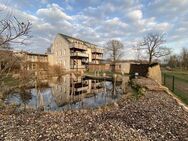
{"x": 114, "y": 49}
{"x": 13, "y": 31}
{"x": 153, "y": 45}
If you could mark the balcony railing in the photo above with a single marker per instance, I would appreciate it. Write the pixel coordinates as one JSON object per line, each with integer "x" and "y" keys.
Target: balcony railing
{"x": 81, "y": 89}
{"x": 97, "y": 50}
{"x": 85, "y": 61}
{"x": 78, "y": 46}
{"x": 96, "y": 57}
{"x": 79, "y": 54}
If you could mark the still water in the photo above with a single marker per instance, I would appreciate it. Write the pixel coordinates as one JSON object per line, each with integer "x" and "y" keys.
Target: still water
{"x": 69, "y": 93}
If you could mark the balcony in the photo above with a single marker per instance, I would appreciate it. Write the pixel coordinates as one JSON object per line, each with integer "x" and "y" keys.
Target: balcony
{"x": 97, "y": 57}
{"x": 97, "y": 50}
{"x": 85, "y": 61}
{"x": 81, "y": 89}
{"x": 79, "y": 54}
{"x": 78, "y": 46}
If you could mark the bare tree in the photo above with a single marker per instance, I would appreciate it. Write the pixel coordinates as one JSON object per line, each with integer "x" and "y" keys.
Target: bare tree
{"x": 139, "y": 56}
{"x": 179, "y": 60}
{"x": 114, "y": 50}
{"x": 9, "y": 62}
{"x": 152, "y": 44}
{"x": 184, "y": 58}
{"x": 12, "y": 31}
{"x": 173, "y": 61}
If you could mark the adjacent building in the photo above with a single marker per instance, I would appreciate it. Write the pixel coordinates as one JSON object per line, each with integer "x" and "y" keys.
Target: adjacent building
{"x": 73, "y": 54}
{"x": 35, "y": 61}
{"x": 23, "y": 60}
{"x": 67, "y": 52}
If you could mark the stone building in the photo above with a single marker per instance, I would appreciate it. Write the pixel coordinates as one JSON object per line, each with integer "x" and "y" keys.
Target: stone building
{"x": 23, "y": 60}
{"x": 124, "y": 66}
{"x": 35, "y": 61}
{"x": 73, "y": 54}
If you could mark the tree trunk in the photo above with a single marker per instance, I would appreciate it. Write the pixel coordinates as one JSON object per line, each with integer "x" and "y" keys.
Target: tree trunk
{"x": 150, "y": 60}
{"x": 113, "y": 67}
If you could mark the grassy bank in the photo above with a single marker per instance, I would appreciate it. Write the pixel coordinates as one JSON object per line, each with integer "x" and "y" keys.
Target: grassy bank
{"x": 178, "y": 73}
{"x": 180, "y": 83}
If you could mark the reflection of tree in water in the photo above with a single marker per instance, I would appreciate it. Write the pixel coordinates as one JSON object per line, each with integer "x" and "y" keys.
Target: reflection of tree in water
{"x": 40, "y": 88}
{"x": 25, "y": 96}
{"x": 113, "y": 89}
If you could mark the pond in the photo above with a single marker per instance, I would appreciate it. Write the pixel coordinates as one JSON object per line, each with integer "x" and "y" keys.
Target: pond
{"x": 69, "y": 93}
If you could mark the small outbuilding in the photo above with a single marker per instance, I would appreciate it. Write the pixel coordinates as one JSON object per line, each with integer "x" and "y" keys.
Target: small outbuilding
{"x": 152, "y": 71}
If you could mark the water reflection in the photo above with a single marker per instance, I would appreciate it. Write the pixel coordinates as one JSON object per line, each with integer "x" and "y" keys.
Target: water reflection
{"x": 70, "y": 93}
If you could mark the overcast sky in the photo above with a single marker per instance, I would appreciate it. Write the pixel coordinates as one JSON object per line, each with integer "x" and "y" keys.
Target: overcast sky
{"x": 98, "y": 21}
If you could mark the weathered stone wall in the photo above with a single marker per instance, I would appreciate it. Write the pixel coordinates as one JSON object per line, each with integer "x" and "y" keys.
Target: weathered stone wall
{"x": 154, "y": 72}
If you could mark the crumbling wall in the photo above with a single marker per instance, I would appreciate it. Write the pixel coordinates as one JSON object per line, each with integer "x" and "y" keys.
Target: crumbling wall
{"x": 154, "y": 72}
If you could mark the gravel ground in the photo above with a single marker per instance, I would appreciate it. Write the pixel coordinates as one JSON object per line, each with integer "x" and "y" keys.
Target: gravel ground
{"x": 154, "y": 116}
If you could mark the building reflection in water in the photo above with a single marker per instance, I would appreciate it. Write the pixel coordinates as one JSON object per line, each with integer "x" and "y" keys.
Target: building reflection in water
{"x": 72, "y": 92}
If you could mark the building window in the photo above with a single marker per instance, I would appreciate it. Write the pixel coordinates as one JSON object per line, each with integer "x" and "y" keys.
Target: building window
{"x": 33, "y": 66}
